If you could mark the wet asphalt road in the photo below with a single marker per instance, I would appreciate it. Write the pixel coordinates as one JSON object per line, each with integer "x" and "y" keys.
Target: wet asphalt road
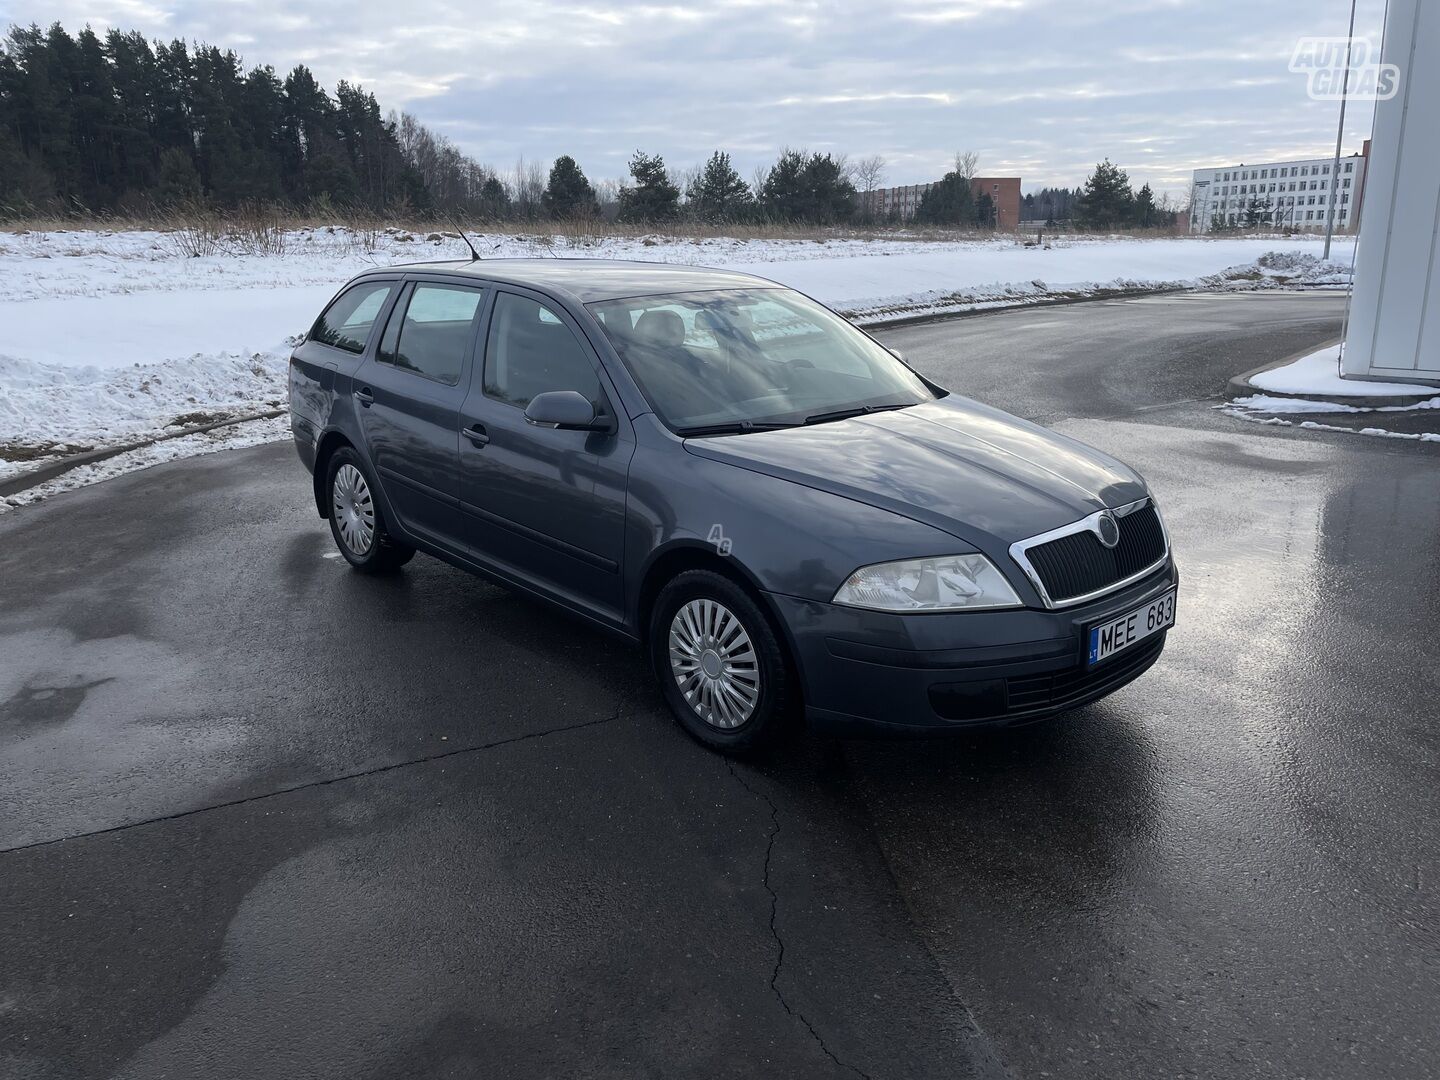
{"x": 262, "y": 817}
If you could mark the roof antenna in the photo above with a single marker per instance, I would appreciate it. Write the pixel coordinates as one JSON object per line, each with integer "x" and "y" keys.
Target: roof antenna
{"x": 474, "y": 255}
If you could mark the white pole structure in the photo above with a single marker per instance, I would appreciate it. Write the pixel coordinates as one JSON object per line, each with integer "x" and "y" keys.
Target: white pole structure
{"x": 1394, "y": 329}
{"x": 1339, "y": 136}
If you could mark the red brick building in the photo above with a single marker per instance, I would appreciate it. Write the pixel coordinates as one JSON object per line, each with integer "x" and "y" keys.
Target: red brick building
{"x": 902, "y": 202}
{"x": 1004, "y": 191}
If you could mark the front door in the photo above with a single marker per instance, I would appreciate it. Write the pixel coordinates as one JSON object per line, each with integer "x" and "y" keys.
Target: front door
{"x": 409, "y": 400}
{"x": 544, "y": 506}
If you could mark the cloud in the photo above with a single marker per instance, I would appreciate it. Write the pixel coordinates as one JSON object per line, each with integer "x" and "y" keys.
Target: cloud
{"x": 1042, "y": 88}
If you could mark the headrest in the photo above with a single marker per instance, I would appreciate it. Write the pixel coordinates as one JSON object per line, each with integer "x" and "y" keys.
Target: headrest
{"x": 712, "y": 321}
{"x": 665, "y": 329}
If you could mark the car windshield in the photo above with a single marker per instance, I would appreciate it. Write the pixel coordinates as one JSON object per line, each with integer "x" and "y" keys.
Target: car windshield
{"x": 749, "y": 359}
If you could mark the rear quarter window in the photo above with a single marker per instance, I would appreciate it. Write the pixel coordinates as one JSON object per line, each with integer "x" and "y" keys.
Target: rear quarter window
{"x": 346, "y": 323}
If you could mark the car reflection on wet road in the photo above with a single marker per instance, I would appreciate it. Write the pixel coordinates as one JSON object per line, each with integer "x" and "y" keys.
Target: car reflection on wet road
{"x": 256, "y": 810}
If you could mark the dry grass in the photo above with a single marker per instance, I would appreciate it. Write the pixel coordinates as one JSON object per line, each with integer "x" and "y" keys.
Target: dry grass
{"x": 197, "y": 228}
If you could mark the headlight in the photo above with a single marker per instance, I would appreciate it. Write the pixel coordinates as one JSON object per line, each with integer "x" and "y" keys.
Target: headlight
{"x": 947, "y": 583}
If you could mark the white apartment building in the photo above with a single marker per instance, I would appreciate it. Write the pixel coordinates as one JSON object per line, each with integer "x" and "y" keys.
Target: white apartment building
{"x": 1282, "y": 194}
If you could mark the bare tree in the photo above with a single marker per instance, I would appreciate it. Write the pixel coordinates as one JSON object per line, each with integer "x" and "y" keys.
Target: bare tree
{"x": 869, "y": 175}
{"x": 758, "y": 178}
{"x": 967, "y": 163}
{"x": 870, "y": 172}
{"x": 607, "y": 195}
{"x": 452, "y": 178}
{"x": 684, "y": 178}
{"x": 527, "y": 185}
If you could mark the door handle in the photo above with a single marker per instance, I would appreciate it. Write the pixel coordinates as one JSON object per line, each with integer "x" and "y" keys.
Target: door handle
{"x": 365, "y": 396}
{"x": 476, "y": 434}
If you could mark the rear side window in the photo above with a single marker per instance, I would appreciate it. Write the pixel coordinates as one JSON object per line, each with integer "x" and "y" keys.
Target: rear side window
{"x": 432, "y": 338}
{"x": 346, "y": 323}
{"x": 531, "y": 351}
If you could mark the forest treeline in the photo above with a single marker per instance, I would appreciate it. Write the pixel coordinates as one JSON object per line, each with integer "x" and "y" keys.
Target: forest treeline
{"x": 120, "y": 125}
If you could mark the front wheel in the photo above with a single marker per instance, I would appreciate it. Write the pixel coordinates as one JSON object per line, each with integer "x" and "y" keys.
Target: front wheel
{"x": 721, "y": 668}
{"x": 355, "y": 518}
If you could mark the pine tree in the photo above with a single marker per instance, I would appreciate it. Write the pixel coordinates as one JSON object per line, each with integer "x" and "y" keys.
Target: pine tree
{"x": 134, "y": 77}
{"x": 811, "y": 188}
{"x": 654, "y": 197}
{"x": 948, "y": 201}
{"x": 718, "y": 194}
{"x": 783, "y": 195}
{"x": 25, "y": 185}
{"x": 830, "y": 196}
{"x": 1107, "y": 201}
{"x": 568, "y": 194}
{"x": 1258, "y": 212}
{"x": 985, "y": 211}
{"x": 494, "y": 199}
{"x": 1145, "y": 214}
{"x": 178, "y": 180}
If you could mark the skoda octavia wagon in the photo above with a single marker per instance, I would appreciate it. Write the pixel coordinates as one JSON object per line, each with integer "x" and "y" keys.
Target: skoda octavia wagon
{"x": 787, "y": 518}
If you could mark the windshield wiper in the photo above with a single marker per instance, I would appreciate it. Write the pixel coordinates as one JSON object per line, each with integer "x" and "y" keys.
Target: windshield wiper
{"x": 733, "y": 427}
{"x": 846, "y": 414}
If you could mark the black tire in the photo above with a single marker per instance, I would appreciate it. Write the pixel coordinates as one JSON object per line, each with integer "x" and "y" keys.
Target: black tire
{"x": 777, "y": 696}
{"x": 384, "y": 554}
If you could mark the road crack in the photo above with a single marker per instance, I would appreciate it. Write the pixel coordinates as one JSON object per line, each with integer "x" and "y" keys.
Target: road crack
{"x": 357, "y": 775}
{"x": 776, "y": 971}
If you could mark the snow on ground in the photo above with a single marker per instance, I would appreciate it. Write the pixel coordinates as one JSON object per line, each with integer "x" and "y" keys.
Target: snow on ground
{"x": 1314, "y": 425}
{"x": 107, "y": 338}
{"x": 1319, "y": 374}
{"x": 232, "y": 437}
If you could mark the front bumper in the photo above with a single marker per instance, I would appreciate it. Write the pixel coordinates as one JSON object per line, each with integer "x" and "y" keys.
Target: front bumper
{"x": 867, "y": 670}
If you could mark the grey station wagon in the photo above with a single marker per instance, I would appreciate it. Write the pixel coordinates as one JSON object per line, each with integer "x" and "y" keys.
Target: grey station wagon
{"x": 785, "y": 516}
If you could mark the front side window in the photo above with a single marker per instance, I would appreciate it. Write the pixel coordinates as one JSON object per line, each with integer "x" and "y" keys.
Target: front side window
{"x": 433, "y": 337}
{"x": 752, "y": 357}
{"x": 346, "y": 323}
{"x": 532, "y": 351}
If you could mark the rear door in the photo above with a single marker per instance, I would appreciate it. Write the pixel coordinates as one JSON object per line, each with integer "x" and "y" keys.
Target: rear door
{"x": 543, "y": 505}
{"x": 408, "y": 398}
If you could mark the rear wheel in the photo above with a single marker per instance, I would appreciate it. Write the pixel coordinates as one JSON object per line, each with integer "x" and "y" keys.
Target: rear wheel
{"x": 356, "y": 521}
{"x": 721, "y": 667}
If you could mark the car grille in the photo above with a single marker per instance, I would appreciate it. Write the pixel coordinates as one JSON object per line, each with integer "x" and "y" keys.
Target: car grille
{"x": 1059, "y": 689}
{"x": 1078, "y": 564}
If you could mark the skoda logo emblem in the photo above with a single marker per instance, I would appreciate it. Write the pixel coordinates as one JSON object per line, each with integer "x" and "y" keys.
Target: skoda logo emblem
{"x": 1107, "y": 529}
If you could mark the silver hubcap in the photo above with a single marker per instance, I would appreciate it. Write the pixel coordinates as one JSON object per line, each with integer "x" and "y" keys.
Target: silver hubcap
{"x": 714, "y": 663}
{"x": 354, "y": 510}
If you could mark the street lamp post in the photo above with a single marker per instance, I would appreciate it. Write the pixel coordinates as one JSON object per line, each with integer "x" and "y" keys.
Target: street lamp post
{"x": 1339, "y": 137}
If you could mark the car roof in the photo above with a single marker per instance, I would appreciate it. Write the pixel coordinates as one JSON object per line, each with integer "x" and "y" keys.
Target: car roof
{"x": 588, "y": 280}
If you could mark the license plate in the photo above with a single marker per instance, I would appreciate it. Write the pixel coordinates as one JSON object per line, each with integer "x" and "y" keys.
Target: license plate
{"x": 1120, "y": 633}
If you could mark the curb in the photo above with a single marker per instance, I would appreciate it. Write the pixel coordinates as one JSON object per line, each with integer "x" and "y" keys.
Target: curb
{"x": 50, "y": 470}
{"x": 995, "y": 309}
{"x": 1241, "y": 386}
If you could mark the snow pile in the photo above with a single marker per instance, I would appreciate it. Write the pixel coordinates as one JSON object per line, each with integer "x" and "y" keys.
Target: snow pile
{"x": 1290, "y": 268}
{"x": 113, "y": 337}
{"x": 51, "y": 409}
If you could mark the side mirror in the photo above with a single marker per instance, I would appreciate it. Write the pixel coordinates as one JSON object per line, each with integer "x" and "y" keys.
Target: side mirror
{"x": 568, "y": 410}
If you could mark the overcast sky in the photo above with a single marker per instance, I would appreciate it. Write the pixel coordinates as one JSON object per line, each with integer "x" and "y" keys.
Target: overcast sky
{"x": 1039, "y": 88}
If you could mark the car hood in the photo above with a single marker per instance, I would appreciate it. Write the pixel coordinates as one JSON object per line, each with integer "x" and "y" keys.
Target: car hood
{"x": 980, "y": 474}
